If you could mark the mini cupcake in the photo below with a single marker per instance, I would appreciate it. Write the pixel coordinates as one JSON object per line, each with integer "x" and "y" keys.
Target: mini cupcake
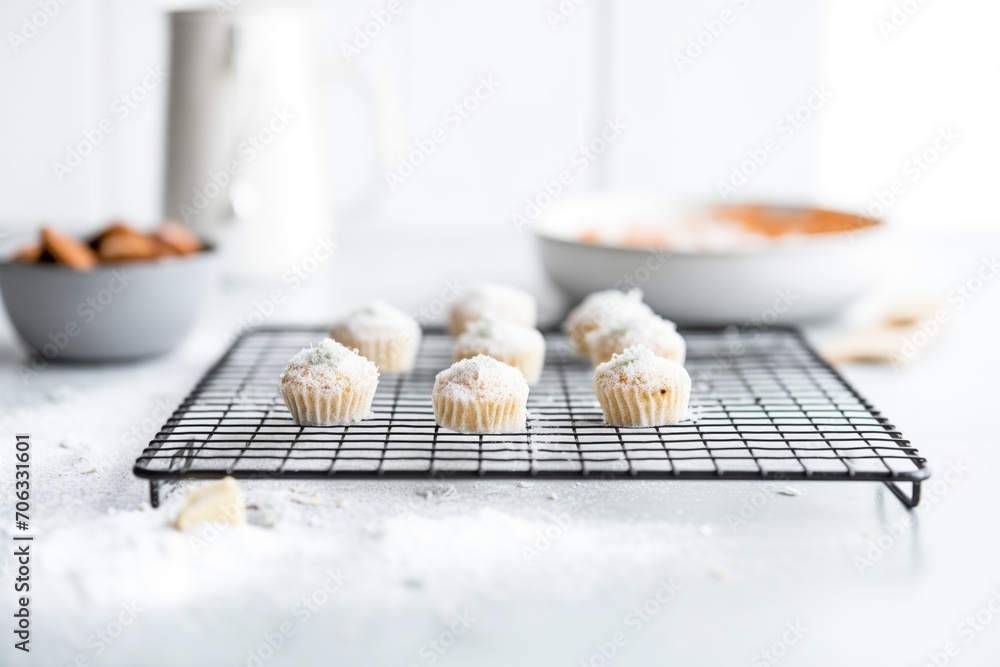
{"x": 502, "y": 301}
{"x": 597, "y": 309}
{"x": 637, "y": 388}
{"x": 385, "y": 335}
{"x": 328, "y": 385}
{"x": 620, "y": 333}
{"x": 480, "y": 395}
{"x": 520, "y": 347}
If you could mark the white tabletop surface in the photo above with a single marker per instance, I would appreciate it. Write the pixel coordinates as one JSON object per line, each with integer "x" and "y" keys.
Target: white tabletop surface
{"x": 858, "y": 578}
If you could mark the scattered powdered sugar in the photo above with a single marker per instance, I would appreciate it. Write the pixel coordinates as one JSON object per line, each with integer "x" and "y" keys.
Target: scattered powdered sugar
{"x": 328, "y": 353}
{"x": 495, "y": 336}
{"x": 624, "y": 331}
{"x": 639, "y": 327}
{"x": 633, "y": 295}
{"x": 61, "y": 393}
{"x": 638, "y": 365}
{"x": 75, "y": 442}
{"x": 451, "y": 548}
{"x": 329, "y": 363}
{"x": 378, "y": 320}
{"x": 633, "y": 356}
{"x": 600, "y": 306}
{"x": 480, "y": 378}
{"x": 503, "y": 301}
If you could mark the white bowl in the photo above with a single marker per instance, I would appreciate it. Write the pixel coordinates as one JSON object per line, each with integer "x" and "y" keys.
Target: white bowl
{"x": 794, "y": 280}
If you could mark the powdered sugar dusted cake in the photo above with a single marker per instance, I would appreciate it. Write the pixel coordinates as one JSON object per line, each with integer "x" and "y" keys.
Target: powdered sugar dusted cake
{"x": 501, "y": 301}
{"x": 620, "y": 333}
{"x": 328, "y": 385}
{"x": 480, "y": 395}
{"x": 385, "y": 335}
{"x": 638, "y": 388}
{"x": 515, "y": 345}
{"x": 600, "y": 307}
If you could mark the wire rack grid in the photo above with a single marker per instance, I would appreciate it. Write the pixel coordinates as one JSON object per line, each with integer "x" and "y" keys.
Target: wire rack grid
{"x": 764, "y": 406}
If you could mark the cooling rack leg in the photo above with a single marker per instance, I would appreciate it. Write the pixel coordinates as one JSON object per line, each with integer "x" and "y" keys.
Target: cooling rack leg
{"x": 911, "y": 500}
{"x": 154, "y": 492}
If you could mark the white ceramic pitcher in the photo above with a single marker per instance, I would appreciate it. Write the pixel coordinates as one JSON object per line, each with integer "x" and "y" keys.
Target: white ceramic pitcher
{"x": 245, "y": 152}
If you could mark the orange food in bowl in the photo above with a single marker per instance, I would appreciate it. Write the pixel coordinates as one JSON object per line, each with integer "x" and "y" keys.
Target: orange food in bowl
{"x": 68, "y": 251}
{"x": 29, "y": 253}
{"x": 116, "y": 243}
{"x": 178, "y": 238}
{"x": 128, "y": 246}
{"x": 776, "y": 221}
{"x": 726, "y": 228}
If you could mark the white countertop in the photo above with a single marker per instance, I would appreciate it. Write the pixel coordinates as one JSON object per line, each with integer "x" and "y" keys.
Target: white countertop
{"x": 416, "y": 553}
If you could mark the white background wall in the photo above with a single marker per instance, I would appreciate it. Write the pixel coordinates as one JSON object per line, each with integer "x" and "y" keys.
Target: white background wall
{"x": 686, "y": 128}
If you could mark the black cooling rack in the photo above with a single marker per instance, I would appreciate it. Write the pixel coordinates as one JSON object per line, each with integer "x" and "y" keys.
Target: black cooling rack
{"x": 764, "y": 407}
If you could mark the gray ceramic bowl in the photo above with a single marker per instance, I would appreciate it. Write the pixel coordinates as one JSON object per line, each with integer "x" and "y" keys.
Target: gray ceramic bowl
{"x": 114, "y": 312}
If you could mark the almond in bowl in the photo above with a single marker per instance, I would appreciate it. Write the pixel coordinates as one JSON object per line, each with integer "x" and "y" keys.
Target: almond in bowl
{"x": 114, "y": 244}
{"x": 121, "y": 294}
